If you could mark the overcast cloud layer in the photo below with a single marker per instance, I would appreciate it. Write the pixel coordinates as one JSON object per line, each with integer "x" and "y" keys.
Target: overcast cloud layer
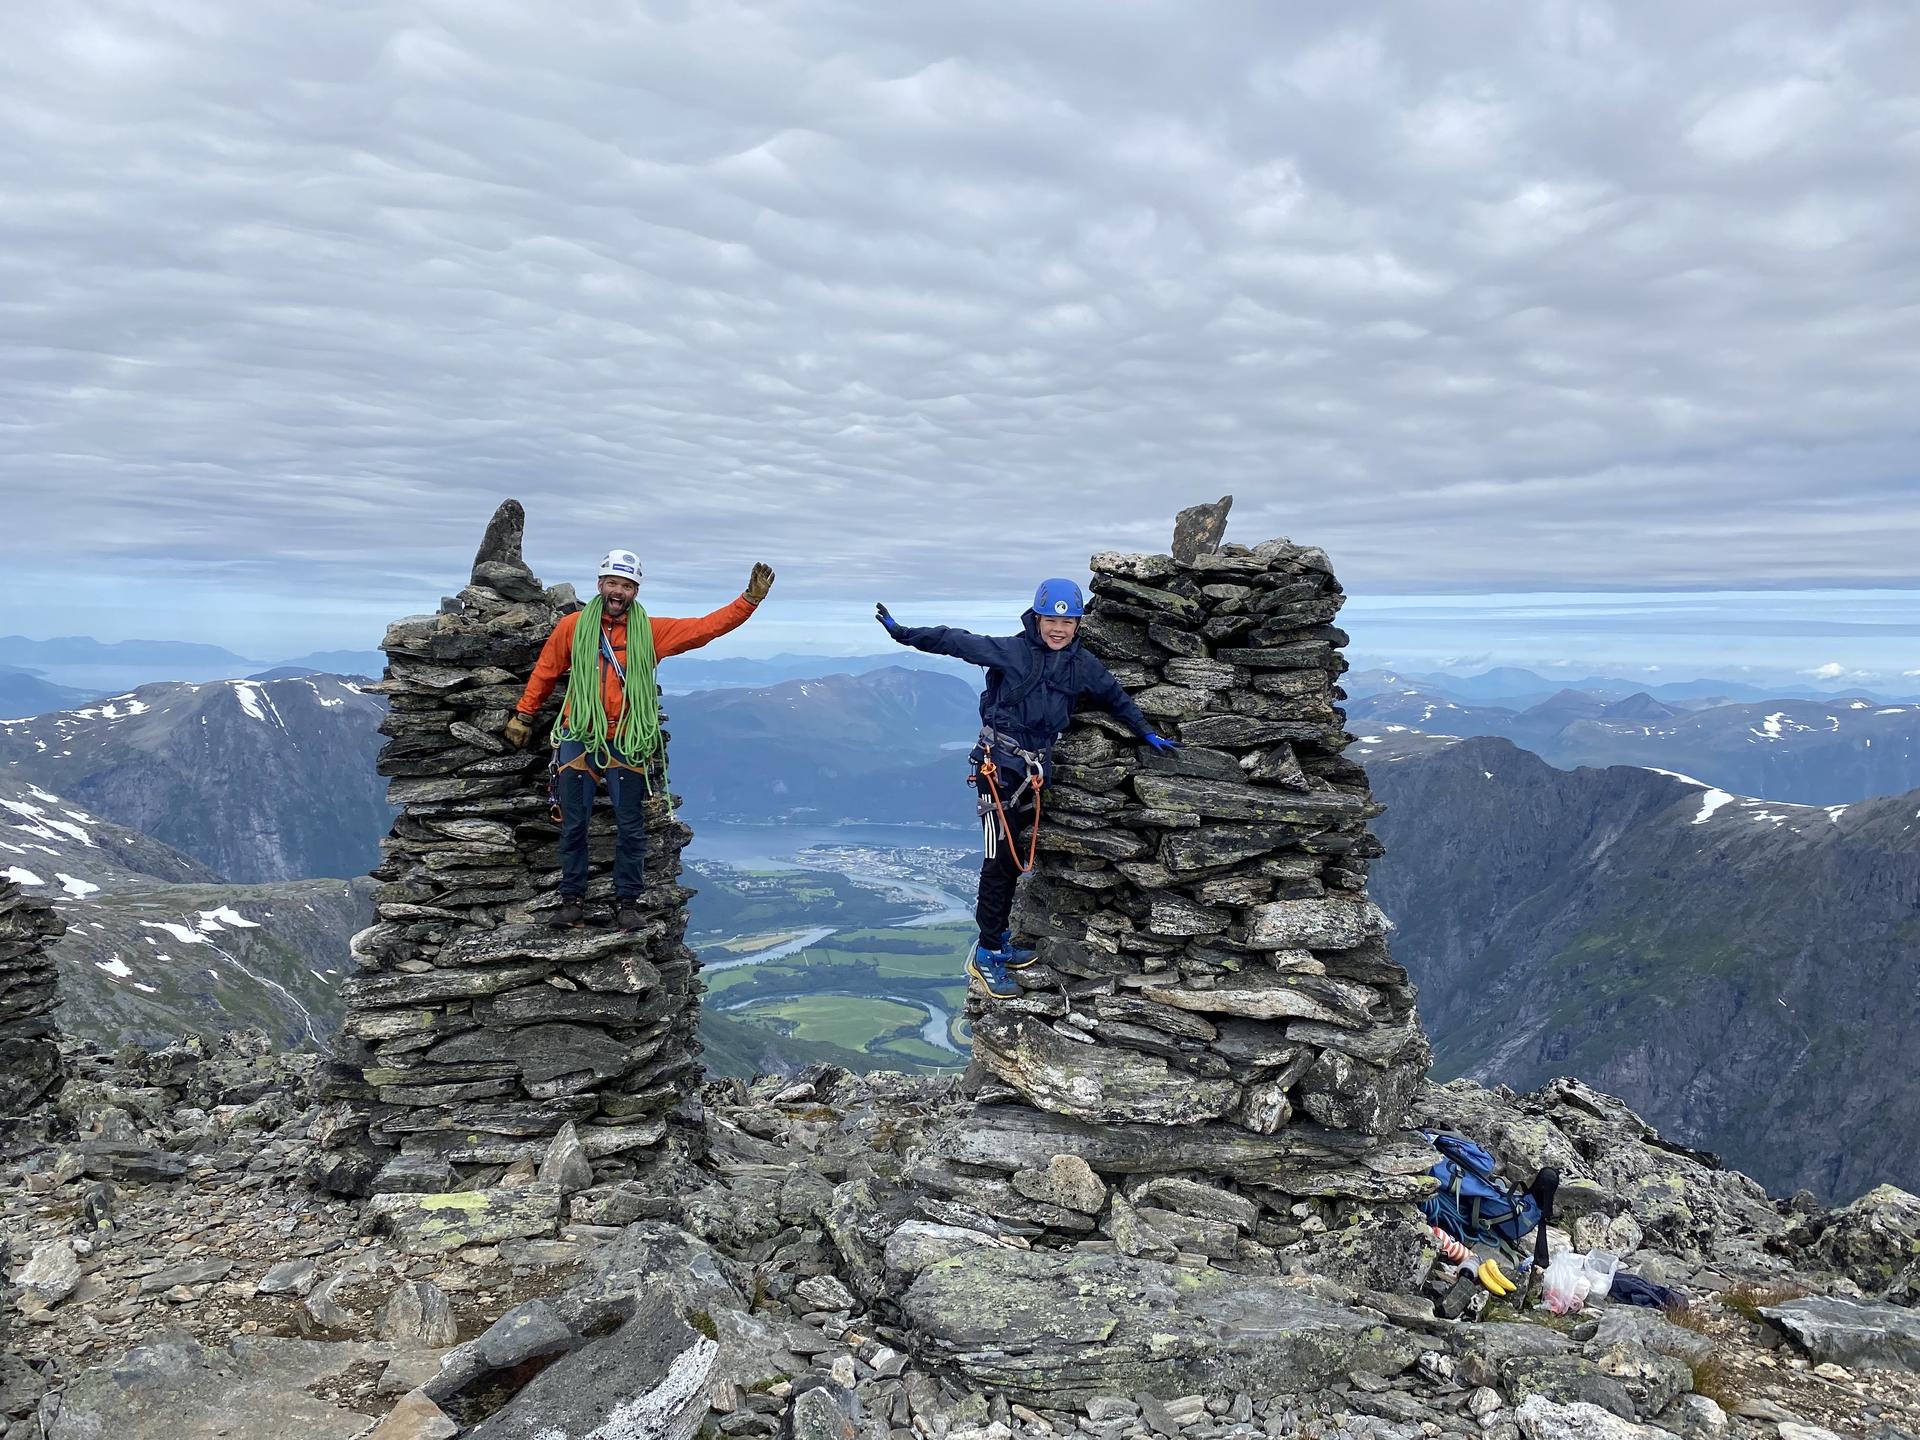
{"x": 911, "y": 299}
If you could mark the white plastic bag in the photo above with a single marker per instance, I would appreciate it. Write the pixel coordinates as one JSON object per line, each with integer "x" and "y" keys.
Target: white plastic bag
{"x": 1566, "y": 1283}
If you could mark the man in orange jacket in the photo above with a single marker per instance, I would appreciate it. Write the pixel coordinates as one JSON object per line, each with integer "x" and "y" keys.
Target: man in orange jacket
{"x": 609, "y": 728}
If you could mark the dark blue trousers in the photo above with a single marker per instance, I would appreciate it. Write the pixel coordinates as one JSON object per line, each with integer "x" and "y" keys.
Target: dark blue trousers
{"x": 628, "y": 791}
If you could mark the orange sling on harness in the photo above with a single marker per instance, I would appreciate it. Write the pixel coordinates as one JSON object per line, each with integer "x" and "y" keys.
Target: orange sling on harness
{"x": 1037, "y": 779}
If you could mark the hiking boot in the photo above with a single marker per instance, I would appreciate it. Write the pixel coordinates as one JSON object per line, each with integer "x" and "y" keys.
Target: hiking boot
{"x": 630, "y": 917}
{"x": 1019, "y": 957}
{"x": 989, "y": 967}
{"x": 571, "y": 915}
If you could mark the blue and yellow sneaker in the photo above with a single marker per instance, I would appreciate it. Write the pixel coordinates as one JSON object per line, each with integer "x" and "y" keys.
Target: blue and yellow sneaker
{"x": 989, "y": 967}
{"x": 1019, "y": 957}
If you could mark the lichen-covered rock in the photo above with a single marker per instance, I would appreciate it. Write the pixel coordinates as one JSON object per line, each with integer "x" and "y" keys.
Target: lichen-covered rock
{"x": 1873, "y": 1240}
{"x": 1115, "y": 1322}
{"x": 437, "y": 1223}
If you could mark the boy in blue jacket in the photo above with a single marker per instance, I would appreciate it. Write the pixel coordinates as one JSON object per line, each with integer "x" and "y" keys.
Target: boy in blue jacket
{"x": 1034, "y": 681}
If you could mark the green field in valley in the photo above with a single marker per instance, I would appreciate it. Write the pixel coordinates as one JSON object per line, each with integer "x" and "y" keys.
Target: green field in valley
{"x": 880, "y": 993}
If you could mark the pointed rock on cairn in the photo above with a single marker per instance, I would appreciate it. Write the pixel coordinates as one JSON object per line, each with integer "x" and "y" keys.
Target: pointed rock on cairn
{"x": 30, "y": 1068}
{"x": 1214, "y": 998}
{"x": 475, "y": 1032}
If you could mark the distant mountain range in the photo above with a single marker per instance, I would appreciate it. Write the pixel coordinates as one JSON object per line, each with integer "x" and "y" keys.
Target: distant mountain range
{"x": 879, "y": 746}
{"x": 1515, "y": 688}
{"x": 1741, "y": 971}
{"x": 157, "y": 946}
{"x": 257, "y": 781}
{"x": 74, "y": 669}
{"x": 695, "y": 672}
{"x": 1810, "y": 752}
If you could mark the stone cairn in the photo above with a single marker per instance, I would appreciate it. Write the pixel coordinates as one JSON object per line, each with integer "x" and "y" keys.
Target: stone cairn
{"x": 475, "y": 1033}
{"x": 30, "y": 1069}
{"x": 1214, "y": 1022}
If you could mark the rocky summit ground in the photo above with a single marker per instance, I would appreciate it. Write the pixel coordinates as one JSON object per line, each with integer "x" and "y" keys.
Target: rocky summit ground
{"x": 778, "y": 1270}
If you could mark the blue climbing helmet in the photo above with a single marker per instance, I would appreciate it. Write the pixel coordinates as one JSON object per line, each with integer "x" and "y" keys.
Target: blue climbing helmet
{"x": 1058, "y": 600}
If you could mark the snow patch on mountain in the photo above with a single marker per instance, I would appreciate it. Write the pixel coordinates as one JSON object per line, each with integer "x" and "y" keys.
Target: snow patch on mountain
{"x": 1713, "y": 800}
{"x": 176, "y": 930}
{"x": 42, "y": 823}
{"x": 226, "y": 916}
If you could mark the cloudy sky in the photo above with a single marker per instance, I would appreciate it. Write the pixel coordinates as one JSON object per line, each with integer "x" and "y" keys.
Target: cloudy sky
{"x": 1525, "y": 311}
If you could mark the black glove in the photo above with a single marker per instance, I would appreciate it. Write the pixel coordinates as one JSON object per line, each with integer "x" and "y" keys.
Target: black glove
{"x": 893, "y": 625}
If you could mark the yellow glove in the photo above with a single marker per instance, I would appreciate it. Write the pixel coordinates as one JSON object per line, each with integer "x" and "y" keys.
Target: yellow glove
{"x": 1491, "y": 1276}
{"x": 519, "y": 731}
{"x": 759, "y": 583}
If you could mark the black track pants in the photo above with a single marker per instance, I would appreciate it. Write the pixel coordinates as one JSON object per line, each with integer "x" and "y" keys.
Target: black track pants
{"x": 1000, "y": 875}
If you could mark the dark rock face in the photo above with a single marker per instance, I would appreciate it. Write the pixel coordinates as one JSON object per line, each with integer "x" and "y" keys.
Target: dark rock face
{"x": 1211, "y": 973}
{"x": 1846, "y": 1332}
{"x": 1199, "y": 529}
{"x": 29, "y": 1058}
{"x": 1591, "y": 922}
{"x": 474, "y": 1031}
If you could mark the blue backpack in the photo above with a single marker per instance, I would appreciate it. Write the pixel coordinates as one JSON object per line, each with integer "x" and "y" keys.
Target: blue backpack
{"x": 1474, "y": 1203}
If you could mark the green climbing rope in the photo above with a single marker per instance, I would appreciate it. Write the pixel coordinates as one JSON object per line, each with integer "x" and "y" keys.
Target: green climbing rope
{"x": 583, "y": 717}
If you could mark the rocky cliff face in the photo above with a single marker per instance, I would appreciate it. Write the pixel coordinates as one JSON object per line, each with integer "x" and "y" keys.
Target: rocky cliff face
{"x": 474, "y": 1031}
{"x": 1740, "y": 971}
{"x": 29, "y": 1058}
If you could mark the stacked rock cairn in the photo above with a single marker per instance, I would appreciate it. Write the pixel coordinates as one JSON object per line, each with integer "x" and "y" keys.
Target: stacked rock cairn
{"x": 474, "y": 1030}
{"x": 30, "y": 1069}
{"x": 1214, "y": 999}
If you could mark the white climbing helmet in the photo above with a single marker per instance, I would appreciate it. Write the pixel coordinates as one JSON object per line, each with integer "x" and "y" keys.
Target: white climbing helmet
{"x": 622, "y": 564}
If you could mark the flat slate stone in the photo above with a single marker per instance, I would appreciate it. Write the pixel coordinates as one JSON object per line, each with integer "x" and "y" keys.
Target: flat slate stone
{"x": 436, "y": 1224}
{"x": 1848, "y": 1332}
{"x": 1119, "y": 1324}
{"x": 1101, "y": 1083}
{"x": 253, "y": 1389}
{"x": 649, "y": 1378}
{"x": 1255, "y": 998}
{"x": 1321, "y": 924}
{"x": 1011, "y": 1138}
{"x": 1222, "y": 800}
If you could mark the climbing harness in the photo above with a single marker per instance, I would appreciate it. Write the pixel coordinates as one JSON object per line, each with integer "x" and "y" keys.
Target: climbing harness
{"x": 991, "y": 807}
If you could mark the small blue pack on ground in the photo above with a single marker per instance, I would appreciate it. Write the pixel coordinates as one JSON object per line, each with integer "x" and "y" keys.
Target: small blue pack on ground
{"x": 1475, "y": 1203}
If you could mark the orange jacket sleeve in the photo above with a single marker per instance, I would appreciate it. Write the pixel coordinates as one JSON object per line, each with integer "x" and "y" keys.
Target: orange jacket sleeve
{"x": 676, "y": 637}
{"x": 555, "y": 657}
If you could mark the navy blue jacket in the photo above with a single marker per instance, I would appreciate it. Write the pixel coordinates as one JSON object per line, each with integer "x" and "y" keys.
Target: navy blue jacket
{"x": 1031, "y": 690}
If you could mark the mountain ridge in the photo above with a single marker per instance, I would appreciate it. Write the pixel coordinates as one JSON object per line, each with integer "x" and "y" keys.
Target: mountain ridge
{"x": 1674, "y": 942}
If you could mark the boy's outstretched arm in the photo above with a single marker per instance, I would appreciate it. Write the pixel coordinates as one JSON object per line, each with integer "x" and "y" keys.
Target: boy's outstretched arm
{"x": 1107, "y": 691}
{"x": 964, "y": 645}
